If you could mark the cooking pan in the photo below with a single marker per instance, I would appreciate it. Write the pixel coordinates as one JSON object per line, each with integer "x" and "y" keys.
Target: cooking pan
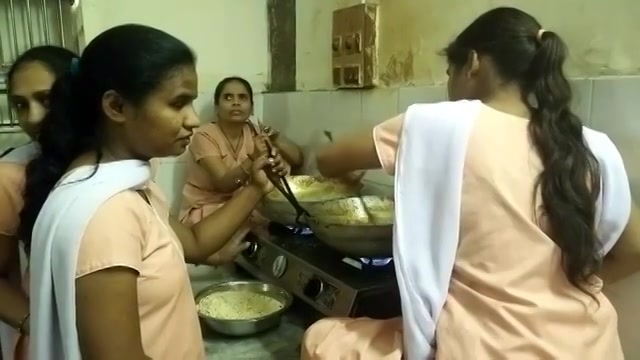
{"x": 306, "y": 189}
{"x": 355, "y": 226}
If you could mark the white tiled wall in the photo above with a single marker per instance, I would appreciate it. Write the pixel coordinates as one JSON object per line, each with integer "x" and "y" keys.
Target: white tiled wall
{"x": 303, "y": 115}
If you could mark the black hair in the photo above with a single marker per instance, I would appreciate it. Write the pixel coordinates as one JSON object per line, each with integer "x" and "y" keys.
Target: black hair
{"x": 569, "y": 183}
{"x": 132, "y": 60}
{"x": 56, "y": 59}
{"x": 220, "y": 87}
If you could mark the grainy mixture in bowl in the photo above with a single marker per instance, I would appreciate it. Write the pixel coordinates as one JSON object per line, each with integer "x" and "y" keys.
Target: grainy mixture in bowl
{"x": 238, "y": 305}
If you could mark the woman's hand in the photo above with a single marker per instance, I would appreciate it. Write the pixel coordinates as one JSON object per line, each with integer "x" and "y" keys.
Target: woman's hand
{"x": 278, "y": 165}
{"x": 259, "y": 146}
{"x": 258, "y": 176}
{"x": 231, "y": 250}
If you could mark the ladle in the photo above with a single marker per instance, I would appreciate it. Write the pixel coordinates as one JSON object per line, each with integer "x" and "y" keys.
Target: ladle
{"x": 280, "y": 182}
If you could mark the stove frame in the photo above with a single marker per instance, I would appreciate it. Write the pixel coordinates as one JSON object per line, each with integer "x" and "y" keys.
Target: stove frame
{"x": 321, "y": 277}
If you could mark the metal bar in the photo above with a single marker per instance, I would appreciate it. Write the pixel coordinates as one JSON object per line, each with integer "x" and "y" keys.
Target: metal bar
{"x": 12, "y": 21}
{"x": 45, "y": 15}
{"x": 10, "y": 129}
{"x": 61, "y": 23}
{"x": 2, "y": 58}
{"x": 14, "y": 53}
{"x": 29, "y": 23}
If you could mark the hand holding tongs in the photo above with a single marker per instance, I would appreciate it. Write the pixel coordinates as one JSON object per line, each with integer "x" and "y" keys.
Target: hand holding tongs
{"x": 280, "y": 182}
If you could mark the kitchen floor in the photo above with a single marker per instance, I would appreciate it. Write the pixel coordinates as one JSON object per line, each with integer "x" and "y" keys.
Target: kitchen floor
{"x": 281, "y": 343}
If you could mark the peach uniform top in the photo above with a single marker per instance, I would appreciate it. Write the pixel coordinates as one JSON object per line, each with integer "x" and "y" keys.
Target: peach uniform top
{"x": 126, "y": 231}
{"x": 198, "y": 191}
{"x": 12, "y": 176}
{"x": 508, "y": 296}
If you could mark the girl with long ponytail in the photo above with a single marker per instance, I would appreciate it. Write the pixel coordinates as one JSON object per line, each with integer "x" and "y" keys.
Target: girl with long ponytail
{"x": 509, "y": 212}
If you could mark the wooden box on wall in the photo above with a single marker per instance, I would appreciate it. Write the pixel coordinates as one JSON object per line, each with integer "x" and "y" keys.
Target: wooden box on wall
{"x": 353, "y": 46}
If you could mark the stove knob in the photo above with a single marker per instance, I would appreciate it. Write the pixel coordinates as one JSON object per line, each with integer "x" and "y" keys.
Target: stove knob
{"x": 252, "y": 250}
{"x": 279, "y": 266}
{"x": 314, "y": 288}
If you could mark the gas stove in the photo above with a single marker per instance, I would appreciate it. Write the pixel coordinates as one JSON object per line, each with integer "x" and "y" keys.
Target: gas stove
{"x": 333, "y": 284}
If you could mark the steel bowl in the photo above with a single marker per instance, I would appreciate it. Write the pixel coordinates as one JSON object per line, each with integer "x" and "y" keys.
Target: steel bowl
{"x": 355, "y": 226}
{"x": 307, "y": 189}
{"x": 246, "y": 327}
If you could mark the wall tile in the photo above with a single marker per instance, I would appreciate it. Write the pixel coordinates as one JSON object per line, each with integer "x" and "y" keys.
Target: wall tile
{"x": 344, "y": 112}
{"x": 582, "y": 95}
{"x": 615, "y": 108}
{"x": 304, "y": 115}
{"x": 258, "y": 106}
{"x": 204, "y": 106}
{"x": 420, "y": 94}
{"x": 274, "y": 109}
{"x": 170, "y": 176}
{"x": 379, "y": 105}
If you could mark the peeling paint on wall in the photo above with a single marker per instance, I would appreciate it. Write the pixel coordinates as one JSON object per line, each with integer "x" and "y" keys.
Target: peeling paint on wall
{"x": 602, "y": 36}
{"x": 399, "y": 69}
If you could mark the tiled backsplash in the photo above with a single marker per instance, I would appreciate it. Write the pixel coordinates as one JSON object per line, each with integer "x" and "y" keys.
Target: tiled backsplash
{"x": 303, "y": 115}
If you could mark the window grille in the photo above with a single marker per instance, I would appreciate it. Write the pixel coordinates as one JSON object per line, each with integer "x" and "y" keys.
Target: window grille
{"x": 28, "y": 23}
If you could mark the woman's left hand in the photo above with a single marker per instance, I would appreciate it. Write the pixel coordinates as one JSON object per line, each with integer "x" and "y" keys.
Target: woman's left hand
{"x": 278, "y": 165}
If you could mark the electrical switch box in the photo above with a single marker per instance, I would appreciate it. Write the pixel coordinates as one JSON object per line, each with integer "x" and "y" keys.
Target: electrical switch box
{"x": 354, "y": 46}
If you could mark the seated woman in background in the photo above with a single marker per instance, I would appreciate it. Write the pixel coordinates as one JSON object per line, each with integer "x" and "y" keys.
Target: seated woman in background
{"x": 30, "y": 79}
{"x": 508, "y": 212}
{"x": 223, "y": 151}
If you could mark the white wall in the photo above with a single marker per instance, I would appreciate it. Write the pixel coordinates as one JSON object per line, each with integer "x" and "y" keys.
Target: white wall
{"x": 229, "y": 36}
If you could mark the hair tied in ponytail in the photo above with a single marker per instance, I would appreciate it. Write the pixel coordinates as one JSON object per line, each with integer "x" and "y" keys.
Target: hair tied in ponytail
{"x": 539, "y": 35}
{"x": 75, "y": 66}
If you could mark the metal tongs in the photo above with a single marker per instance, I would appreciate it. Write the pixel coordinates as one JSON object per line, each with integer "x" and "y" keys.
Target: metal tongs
{"x": 280, "y": 182}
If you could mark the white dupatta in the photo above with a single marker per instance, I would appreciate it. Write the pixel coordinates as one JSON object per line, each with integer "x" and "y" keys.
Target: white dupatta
{"x": 428, "y": 184}
{"x": 20, "y": 155}
{"x": 614, "y": 202}
{"x": 54, "y": 251}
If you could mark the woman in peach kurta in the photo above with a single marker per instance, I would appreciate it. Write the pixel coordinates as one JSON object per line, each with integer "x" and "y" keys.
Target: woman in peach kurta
{"x": 509, "y": 296}
{"x": 199, "y": 196}
{"x": 30, "y": 79}
{"x": 222, "y": 151}
{"x": 108, "y": 277}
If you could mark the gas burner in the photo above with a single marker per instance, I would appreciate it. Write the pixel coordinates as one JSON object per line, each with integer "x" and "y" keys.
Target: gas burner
{"x": 288, "y": 230}
{"x": 300, "y": 230}
{"x": 367, "y": 263}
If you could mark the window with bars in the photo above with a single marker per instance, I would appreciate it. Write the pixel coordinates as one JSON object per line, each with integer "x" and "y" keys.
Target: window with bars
{"x": 28, "y": 23}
